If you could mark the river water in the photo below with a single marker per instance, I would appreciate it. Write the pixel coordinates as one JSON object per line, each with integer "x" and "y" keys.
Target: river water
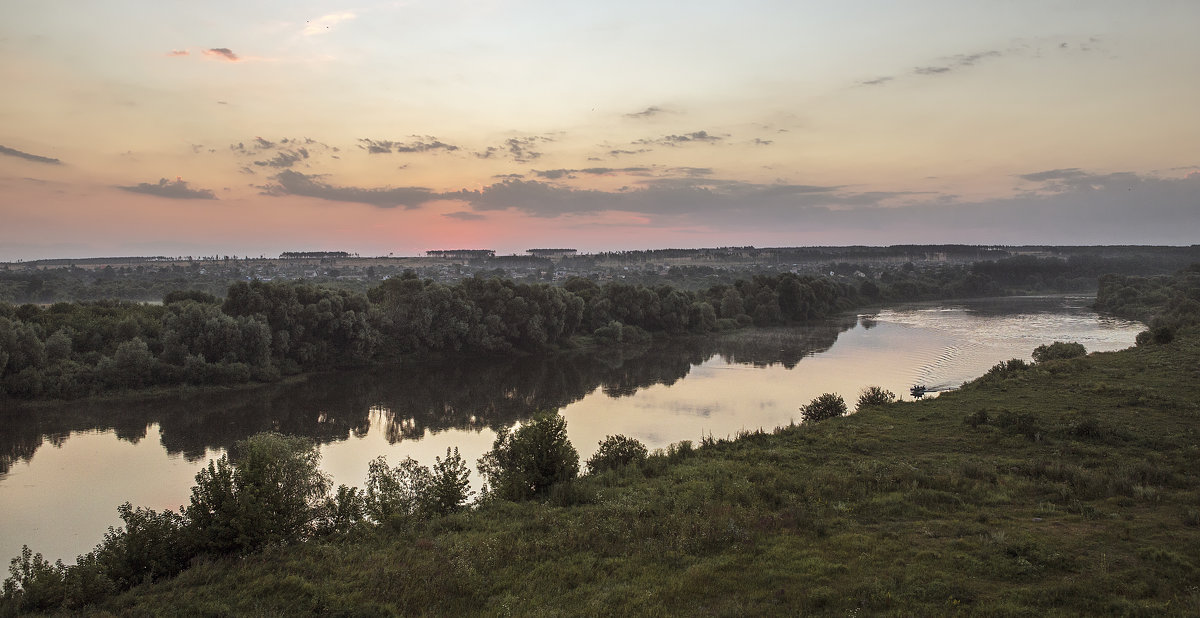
{"x": 64, "y": 469}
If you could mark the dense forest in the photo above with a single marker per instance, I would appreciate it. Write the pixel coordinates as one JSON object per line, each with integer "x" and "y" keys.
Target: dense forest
{"x": 260, "y": 331}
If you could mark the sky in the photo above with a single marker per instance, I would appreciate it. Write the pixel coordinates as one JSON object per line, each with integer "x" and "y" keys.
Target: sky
{"x": 131, "y": 127}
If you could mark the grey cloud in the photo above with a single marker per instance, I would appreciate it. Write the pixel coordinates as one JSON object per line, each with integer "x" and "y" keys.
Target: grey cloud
{"x": 519, "y": 149}
{"x": 878, "y": 81}
{"x": 595, "y": 171}
{"x": 553, "y": 174}
{"x": 758, "y": 141}
{"x": 955, "y": 62}
{"x": 618, "y": 153}
{"x": 223, "y": 53}
{"x": 1059, "y": 174}
{"x": 1139, "y": 210}
{"x": 653, "y": 110}
{"x": 691, "y": 171}
{"x": 13, "y": 152}
{"x": 509, "y": 176}
{"x": 425, "y": 144}
{"x": 290, "y": 182}
{"x": 605, "y": 171}
{"x": 284, "y": 159}
{"x": 465, "y": 215}
{"x": 175, "y": 189}
{"x": 262, "y": 143}
{"x": 1074, "y": 179}
{"x": 675, "y": 140}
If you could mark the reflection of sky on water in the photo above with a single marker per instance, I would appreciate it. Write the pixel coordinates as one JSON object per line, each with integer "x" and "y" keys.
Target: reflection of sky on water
{"x": 62, "y": 497}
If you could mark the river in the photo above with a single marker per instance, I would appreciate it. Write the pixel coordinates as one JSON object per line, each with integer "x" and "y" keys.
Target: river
{"x": 65, "y": 468}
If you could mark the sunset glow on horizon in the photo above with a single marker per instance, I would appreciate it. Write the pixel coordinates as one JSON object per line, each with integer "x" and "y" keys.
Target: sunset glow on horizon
{"x": 142, "y": 128}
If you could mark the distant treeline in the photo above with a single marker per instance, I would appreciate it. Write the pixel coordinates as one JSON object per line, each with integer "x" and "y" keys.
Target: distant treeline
{"x": 1166, "y": 302}
{"x": 263, "y": 330}
{"x": 296, "y": 255}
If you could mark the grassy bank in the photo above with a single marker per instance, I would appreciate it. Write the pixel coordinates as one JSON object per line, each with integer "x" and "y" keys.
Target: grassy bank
{"x": 1063, "y": 488}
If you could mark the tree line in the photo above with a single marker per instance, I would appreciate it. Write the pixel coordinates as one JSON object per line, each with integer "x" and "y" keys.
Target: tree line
{"x": 264, "y": 330}
{"x": 261, "y": 331}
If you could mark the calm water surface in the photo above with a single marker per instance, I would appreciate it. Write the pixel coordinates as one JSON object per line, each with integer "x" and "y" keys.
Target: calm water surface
{"x": 64, "y": 470}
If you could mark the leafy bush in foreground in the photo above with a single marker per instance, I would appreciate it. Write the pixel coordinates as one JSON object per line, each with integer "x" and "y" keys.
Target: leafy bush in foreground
{"x": 526, "y": 462}
{"x": 615, "y": 452}
{"x": 875, "y": 396}
{"x": 823, "y": 407}
{"x": 1058, "y": 350}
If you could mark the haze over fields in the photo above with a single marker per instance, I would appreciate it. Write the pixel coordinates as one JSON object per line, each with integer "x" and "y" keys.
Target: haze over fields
{"x": 145, "y": 128}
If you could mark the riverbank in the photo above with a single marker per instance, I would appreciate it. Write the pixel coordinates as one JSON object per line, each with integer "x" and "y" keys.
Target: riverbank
{"x": 1063, "y": 488}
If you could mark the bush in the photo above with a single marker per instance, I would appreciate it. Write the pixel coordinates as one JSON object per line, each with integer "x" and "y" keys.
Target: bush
{"x": 273, "y": 492}
{"x": 34, "y": 585}
{"x": 875, "y": 396}
{"x": 395, "y": 492}
{"x": 449, "y": 487}
{"x": 1058, "y": 350}
{"x": 824, "y": 407}
{"x": 1158, "y": 335}
{"x": 525, "y": 463}
{"x": 150, "y": 546}
{"x": 615, "y": 452}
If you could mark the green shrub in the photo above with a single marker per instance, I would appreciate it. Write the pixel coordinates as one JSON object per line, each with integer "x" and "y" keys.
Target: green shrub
{"x": 150, "y": 546}
{"x": 449, "y": 487}
{"x": 823, "y": 407}
{"x": 34, "y": 585}
{"x": 395, "y": 492}
{"x": 271, "y": 493}
{"x": 875, "y": 396}
{"x": 525, "y": 463}
{"x": 615, "y": 452}
{"x": 1058, "y": 350}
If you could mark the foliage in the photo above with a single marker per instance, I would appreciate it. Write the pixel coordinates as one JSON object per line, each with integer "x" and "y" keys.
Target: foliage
{"x": 615, "y": 452}
{"x": 524, "y": 463}
{"x": 825, "y": 406}
{"x": 1058, "y": 350}
{"x": 450, "y": 485}
{"x": 395, "y": 492}
{"x": 875, "y": 396}
{"x": 271, "y": 494}
{"x": 34, "y": 585}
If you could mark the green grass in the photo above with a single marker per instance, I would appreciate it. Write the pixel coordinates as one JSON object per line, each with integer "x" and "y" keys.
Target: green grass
{"x": 1074, "y": 489}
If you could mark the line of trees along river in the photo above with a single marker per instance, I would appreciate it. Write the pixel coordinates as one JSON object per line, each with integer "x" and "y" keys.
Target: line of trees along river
{"x": 261, "y": 331}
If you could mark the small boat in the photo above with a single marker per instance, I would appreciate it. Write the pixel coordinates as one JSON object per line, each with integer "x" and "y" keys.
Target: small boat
{"x": 918, "y": 391}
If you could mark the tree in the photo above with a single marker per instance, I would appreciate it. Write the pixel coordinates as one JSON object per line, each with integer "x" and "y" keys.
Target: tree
{"x": 823, "y": 407}
{"x": 526, "y": 462}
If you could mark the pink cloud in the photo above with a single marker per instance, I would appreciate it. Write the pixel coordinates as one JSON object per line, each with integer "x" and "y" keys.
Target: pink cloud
{"x": 178, "y": 52}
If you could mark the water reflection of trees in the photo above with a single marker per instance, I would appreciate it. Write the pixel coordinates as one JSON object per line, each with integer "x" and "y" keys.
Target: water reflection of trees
{"x": 405, "y": 401}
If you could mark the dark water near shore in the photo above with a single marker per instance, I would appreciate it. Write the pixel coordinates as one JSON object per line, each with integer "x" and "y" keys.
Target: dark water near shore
{"x": 64, "y": 469}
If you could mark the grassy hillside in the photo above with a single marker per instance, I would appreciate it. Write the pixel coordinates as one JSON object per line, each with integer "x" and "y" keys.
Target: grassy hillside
{"x": 1062, "y": 488}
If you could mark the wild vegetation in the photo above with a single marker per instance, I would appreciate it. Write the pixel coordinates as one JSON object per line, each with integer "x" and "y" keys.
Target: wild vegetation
{"x": 1065, "y": 486}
